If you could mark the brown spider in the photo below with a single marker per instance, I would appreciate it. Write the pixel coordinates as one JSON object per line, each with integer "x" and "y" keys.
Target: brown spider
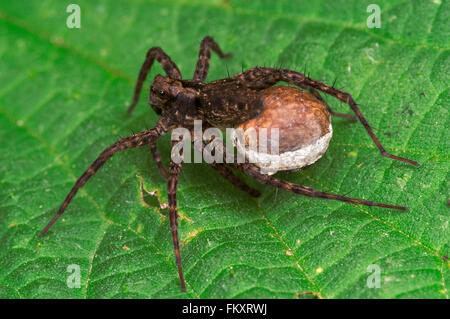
{"x": 227, "y": 102}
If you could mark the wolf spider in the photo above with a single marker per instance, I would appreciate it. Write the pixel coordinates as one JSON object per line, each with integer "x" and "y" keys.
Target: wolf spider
{"x": 223, "y": 103}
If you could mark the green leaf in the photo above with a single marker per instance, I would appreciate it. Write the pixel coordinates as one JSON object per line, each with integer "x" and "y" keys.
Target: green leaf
{"x": 63, "y": 96}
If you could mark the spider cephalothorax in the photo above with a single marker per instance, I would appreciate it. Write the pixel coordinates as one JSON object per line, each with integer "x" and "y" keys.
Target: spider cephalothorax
{"x": 244, "y": 100}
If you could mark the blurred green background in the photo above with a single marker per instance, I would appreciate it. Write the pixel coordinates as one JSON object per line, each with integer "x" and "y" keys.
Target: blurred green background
{"x": 63, "y": 96}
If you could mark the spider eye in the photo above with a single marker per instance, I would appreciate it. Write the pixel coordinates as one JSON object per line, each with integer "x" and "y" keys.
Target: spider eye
{"x": 162, "y": 93}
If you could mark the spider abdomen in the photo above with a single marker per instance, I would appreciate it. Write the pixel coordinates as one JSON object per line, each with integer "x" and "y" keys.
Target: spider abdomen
{"x": 304, "y": 130}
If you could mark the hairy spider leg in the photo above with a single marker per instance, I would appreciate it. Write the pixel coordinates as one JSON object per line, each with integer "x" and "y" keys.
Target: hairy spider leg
{"x": 157, "y": 158}
{"x": 133, "y": 141}
{"x": 221, "y": 168}
{"x": 253, "y": 171}
{"x": 227, "y": 173}
{"x": 167, "y": 64}
{"x": 261, "y": 78}
{"x": 343, "y": 115}
{"x": 172, "y": 184}
{"x": 204, "y": 56}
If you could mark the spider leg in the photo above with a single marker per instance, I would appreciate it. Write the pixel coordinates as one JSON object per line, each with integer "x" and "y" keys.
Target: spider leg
{"x": 253, "y": 171}
{"x": 167, "y": 64}
{"x": 204, "y": 55}
{"x": 343, "y": 115}
{"x": 261, "y": 78}
{"x": 174, "y": 172}
{"x": 157, "y": 159}
{"x": 227, "y": 173}
{"x": 133, "y": 141}
{"x": 221, "y": 168}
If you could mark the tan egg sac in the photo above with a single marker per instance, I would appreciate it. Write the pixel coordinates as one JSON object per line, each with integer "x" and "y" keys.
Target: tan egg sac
{"x": 304, "y": 129}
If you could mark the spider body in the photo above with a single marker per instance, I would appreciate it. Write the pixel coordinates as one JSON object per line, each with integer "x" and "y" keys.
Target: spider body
{"x": 243, "y": 99}
{"x": 303, "y": 120}
{"x": 223, "y": 103}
